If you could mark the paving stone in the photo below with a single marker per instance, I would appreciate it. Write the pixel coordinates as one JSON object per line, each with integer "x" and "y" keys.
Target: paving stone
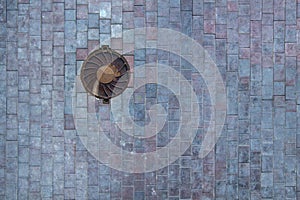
{"x": 174, "y": 16}
{"x": 221, "y": 15}
{"x": 209, "y": 10}
{"x": 279, "y": 88}
{"x": 82, "y": 38}
{"x": 279, "y": 10}
{"x": 105, "y": 10}
{"x": 116, "y": 15}
{"x": 261, "y": 87}
{"x": 186, "y": 5}
{"x": 186, "y": 18}
{"x": 82, "y": 12}
{"x": 93, "y": 34}
{"x": 290, "y": 34}
{"x": 116, "y": 31}
{"x": 197, "y": 7}
{"x": 82, "y": 25}
{"x": 291, "y": 16}
{"x": 70, "y": 4}
{"x": 128, "y": 5}
{"x": 267, "y": 19}
{"x": 105, "y": 26}
{"x": 93, "y": 21}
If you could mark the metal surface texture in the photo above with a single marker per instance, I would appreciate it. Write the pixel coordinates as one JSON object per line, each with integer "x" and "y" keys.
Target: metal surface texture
{"x": 105, "y": 73}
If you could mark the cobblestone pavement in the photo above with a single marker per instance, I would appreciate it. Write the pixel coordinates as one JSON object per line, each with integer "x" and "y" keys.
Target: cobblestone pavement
{"x": 255, "y": 44}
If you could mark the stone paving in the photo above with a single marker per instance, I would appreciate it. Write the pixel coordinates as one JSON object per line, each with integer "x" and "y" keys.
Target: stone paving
{"x": 255, "y": 44}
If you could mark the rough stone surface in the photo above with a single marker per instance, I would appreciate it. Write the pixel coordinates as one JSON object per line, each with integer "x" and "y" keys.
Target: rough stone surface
{"x": 255, "y": 44}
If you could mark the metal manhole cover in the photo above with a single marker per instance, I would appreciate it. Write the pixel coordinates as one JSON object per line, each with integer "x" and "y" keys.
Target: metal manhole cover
{"x": 105, "y": 73}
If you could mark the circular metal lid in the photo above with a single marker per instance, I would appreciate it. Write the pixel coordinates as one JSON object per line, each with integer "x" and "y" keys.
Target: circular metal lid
{"x": 105, "y": 73}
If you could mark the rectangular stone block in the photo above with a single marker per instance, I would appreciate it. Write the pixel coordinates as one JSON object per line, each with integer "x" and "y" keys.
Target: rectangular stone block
{"x": 82, "y": 38}
{"x": 82, "y": 12}
{"x": 82, "y": 25}
{"x": 267, "y": 19}
{"x": 151, "y": 5}
{"x": 266, "y": 179}
{"x": 186, "y": 5}
{"x": 279, "y": 88}
{"x": 291, "y": 16}
{"x": 279, "y": 9}
{"x": 70, "y": 4}
{"x": 174, "y": 15}
{"x": 267, "y": 6}
{"x": 58, "y": 38}
{"x": 197, "y": 7}
{"x": 116, "y": 16}
{"x": 116, "y": 31}
{"x": 256, "y": 10}
{"x": 93, "y": 34}
{"x": 267, "y": 34}
{"x": 244, "y": 10}
{"x": 221, "y": 17}
{"x": 93, "y": 21}
{"x": 290, "y": 34}
{"x": 105, "y": 10}
{"x": 243, "y": 154}
{"x": 128, "y": 5}
{"x": 186, "y": 19}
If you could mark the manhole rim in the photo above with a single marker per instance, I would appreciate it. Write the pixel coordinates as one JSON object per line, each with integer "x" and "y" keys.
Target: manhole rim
{"x": 105, "y": 49}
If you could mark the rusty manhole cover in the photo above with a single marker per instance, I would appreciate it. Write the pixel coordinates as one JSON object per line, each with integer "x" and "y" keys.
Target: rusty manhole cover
{"x": 105, "y": 73}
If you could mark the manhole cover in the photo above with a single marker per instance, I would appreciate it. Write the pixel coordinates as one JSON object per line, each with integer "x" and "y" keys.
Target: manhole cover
{"x": 105, "y": 73}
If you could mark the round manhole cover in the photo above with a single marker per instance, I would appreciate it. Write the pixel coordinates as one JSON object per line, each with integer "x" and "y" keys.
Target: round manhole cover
{"x": 105, "y": 73}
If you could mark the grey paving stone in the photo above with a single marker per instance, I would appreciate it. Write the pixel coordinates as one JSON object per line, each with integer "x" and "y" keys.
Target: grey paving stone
{"x": 11, "y": 149}
{"x": 267, "y": 76}
{"x": 105, "y": 10}
{"x": 127, "y": 20}
{"x": 70, "y": 29}
{"x": 104, "y": 26}
{"x": 82, "y": 38}
{"x": 186, "y": 5}
{"x": 186, "y": 18}
{"x": 35, "y": 27}
{"x": 70, "y": 4}
{"x": 116, "y": 17}
{"x": 93, "y": 34}
{"x": 116, "y": 31}
{"x": 93, "y": 21}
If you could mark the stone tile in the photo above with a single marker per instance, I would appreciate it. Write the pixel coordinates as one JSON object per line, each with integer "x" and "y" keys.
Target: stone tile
{"x": 279, "y": 11}
{"x": 82, "y": 12}
{"x": 105, "y": 26}
{"x": 209, "y": 26}
{"x": 291, "y": 49}
{"x": 58, "y": 38}
{"x": 116, "y": 15}
{"x": 128, "y": 6}
{"x": 92, "y": 44}
{"x": 116, "y": 31}
{"x": 186, "y": 5}
{"x": 105, "y": 10}
{"x": 209, "y": 10}
{"x": 221, "y": 15}
{"x": 70, "y": 4}
{"x": 256, "y": 8}
{"x": 93, "y": 21}
{"x": 93, "y": 34}
{"x": 174, "y": 15}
